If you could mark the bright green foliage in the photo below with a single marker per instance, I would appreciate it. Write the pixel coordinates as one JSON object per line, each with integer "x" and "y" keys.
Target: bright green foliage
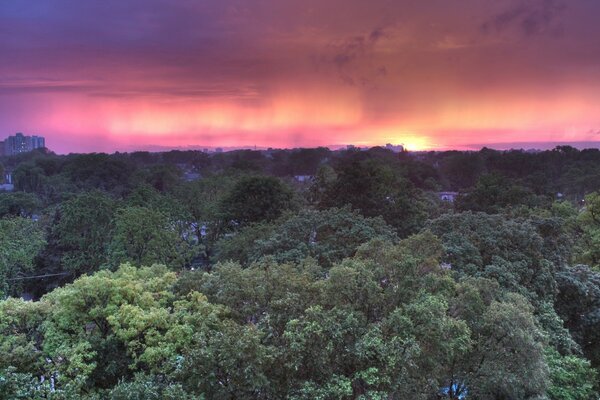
{"x": 388, "y": 322}
{"x": 16, "y": 385}
{"x": 227, "y": 362}
{"x": 21, "y": 334}
{"x": 145, "y": 236}
{"x": 103, "y": 327}
{"x": 571, "y": 377}
{"x": 21, "y": 239}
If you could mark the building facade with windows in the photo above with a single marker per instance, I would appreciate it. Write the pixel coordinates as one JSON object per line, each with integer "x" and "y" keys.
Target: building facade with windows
{"x": 20, "y": 143}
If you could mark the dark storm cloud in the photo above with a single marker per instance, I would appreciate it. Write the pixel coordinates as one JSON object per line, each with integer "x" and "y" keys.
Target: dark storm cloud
{"x": 529, "y": 17}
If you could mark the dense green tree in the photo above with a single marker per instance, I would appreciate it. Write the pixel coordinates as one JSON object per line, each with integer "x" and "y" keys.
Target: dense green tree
{"x": 327, "y": 235}
{"x": 19, "y": 204}
{"x": 589, "y": 223}
{"x": 99, "y": 171}
{"x": 376, "y": 190}
{"x": 29, "y": 177}
{"x": 508, "y": 251}
{"x": 202, "y": 200}
{"x": 144, "y": 236}
{"x": 571, "y": 377}
{"x": 83, "y": 231}
{"x": 492, "y": 193}
{"x": 162, "y": 177}
{"x": 21, "y": 239}
{"x": 461, "y": 169}
{"x": 256, "y": 199}
{"x": 102, "y": 328}
{"x": 577, "y": 303}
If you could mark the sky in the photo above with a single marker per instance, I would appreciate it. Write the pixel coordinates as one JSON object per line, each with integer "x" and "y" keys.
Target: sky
{"x": 122, "y": 75}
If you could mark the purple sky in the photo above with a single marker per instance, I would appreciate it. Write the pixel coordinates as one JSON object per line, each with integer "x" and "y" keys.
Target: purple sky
{"x": 118, "y": 75}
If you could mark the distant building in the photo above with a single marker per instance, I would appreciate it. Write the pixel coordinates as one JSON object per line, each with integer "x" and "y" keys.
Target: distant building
{"x": 303, "y": 178}
{"x": 448, "y": 196}
{"x": 398, "y": 148}
{"x": 20, "y": 143}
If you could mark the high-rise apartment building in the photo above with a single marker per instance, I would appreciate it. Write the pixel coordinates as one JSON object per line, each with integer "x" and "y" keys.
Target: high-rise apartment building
{"x": 20, "y": 143}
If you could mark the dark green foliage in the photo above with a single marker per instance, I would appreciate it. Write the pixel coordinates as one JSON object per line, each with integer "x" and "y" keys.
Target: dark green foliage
{"x": 492, "y": 246}
{"x": 19, "y": 204}
{"x": 358, "y": 284}
{"x": 21, "y": 240}
{"x": 83, "y": 231}
{"x": 28, "y": 177}
{"x": 494, "y": 192}
{"x": 577, "y": 303}
{"x": 328, "y": 236}
{"x": 99, "y": 171}
{"x": 256, "y": 199}
{"x": 374, "y": 189}
{"x": 146, "y": 236}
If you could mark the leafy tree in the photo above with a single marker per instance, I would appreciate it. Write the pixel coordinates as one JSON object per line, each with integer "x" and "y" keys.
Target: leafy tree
{"x": 589, "y": 223}
{"x": 571, "y": 377}
{"x": 103, "y": 327}
{"x": 162, "y": 177}
{"x": 328, "y": 236}
{"x": 99, "y": 171}
{"x": 145, "y": 236}
{"x": 508, "y": 251}
{"x": 29, "y": 177}
{"x": 83, "y": 231}
{"x": 492, "y": 193}
{"x": 376, "y": 190}
{"x": 18, "y": 204}
{"x": 227, "y": 363}
{"x": 461, "y": 169}
{"x": 202, "y": 200}
{"x": 21, "y": 335}
{"x": 257, "y": 199}
{"x": 507, "y": 360}
{"x": 149, "y": 387}
{"x": 577, "y": 303}
{"x": 21, "y": 239}
{"x": 242, "y": 245}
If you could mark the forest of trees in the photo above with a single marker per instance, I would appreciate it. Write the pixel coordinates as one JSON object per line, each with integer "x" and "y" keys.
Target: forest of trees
{"x": 301, "y": 274}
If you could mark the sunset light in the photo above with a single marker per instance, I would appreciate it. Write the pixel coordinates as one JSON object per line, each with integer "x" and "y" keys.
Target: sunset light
{"x": 294, "y": 73}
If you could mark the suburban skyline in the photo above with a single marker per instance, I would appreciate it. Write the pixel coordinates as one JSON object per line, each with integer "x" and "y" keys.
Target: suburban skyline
{"x": 154, "y": 74}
